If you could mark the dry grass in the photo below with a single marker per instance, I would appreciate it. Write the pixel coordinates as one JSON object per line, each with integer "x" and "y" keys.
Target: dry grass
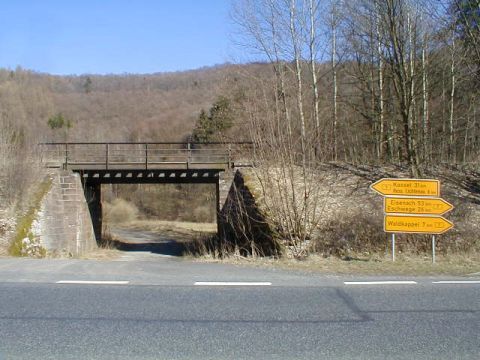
{"x": 106, "y": 254}
{"x": 404, "y": 265}
{"x": 107, "y": 251}
{"x": 165, "y": 226}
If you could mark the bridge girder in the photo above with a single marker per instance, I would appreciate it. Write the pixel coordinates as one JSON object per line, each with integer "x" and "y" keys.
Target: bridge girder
{"x": 192, "y": 176}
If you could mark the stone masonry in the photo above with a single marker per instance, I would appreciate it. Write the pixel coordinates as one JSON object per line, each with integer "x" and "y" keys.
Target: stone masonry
{"x": 225, "y": 182}
{"x": 65, "y": 225}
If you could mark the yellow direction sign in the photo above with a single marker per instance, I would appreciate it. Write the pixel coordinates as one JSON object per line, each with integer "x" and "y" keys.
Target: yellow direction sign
{"x": 416, "y": 205}
{"x": 407, "y": 187}
{"x": 416, "y": 224}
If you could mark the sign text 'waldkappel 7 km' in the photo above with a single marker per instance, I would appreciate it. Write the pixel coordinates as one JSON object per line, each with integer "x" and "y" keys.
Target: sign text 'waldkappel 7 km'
{"x": 416, "y": 224}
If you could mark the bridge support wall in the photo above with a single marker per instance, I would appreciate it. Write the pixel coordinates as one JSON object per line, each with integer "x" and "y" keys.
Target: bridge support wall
{"x": 64, "y": 222}
{"x": 241, "y": 223}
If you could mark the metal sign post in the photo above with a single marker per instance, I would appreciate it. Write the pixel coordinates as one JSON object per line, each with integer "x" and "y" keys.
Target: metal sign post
{"x": 433, "y": 249}
{"x": 393, "y": 246}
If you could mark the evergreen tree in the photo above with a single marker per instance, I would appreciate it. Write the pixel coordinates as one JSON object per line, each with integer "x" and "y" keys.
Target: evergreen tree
{"x": 59, "y": 122}
{"x": 211, "y": 126}
{"x": 87, "y": 86}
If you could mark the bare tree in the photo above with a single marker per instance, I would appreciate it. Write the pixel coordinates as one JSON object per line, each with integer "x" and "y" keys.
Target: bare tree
{"x": 313, "y": 10}
{"x": 381, "y": 101}
{"x": 285, "y": 130}
{"x": 451, "y": 144}
{"x": 425, "y": 119}
{"x": 334, "y": 25}
{"x": 297, "y": 54}
{"x": 400, "y": 26}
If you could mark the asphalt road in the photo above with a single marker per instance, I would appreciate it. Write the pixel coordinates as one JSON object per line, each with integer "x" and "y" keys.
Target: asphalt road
{"x": 159, "y": 313}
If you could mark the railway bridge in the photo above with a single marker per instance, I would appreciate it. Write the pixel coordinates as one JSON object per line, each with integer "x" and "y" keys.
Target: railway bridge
{"x": 146, "y": 163}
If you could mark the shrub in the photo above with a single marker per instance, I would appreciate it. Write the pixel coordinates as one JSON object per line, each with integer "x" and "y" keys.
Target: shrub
{"x": 120, "y": 211}
{"x": 356, "y": 232}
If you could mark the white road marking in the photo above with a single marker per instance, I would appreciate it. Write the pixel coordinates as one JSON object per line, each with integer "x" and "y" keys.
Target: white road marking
{"x": 92, "y": 282}
{"x": 230, "y": 283}
{"x": 391, "y": 282}
{"x": 457, "y": 282}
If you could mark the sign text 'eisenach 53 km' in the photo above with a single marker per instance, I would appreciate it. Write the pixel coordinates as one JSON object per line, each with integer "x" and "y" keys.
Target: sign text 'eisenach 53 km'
{"x": 416, "y": 205}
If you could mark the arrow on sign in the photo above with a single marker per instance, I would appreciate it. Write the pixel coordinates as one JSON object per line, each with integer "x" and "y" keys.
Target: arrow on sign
{"x": 407, "y": 187}
{"x": 416, "y": 224}
{"x": 415, "y": 205}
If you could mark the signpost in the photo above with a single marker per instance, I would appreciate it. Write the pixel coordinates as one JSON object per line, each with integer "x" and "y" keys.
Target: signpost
{"x": 413, "y": 206}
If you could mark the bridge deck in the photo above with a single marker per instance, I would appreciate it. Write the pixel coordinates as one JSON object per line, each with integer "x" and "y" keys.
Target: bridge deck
{"x": 141, "y": 156}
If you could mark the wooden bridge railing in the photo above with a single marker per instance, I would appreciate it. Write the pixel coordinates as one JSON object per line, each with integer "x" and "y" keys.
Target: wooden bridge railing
{"x": 145, "y": 156}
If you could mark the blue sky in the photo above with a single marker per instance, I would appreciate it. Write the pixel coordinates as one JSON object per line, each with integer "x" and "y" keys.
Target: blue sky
{"x": 114, "y": 36}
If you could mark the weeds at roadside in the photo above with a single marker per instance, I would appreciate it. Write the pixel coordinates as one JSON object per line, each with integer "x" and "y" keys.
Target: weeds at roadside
{"x": 373, "y": 264}
{"x": 25, "y": 243}
{"x": 108, "y": 242}
{"x": 202, "y": 245}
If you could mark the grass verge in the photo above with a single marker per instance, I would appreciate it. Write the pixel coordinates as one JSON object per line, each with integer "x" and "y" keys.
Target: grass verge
{"x": 24, "y": 224}
{"x": 177, "y": 226}
{"x": 455, "y": 265}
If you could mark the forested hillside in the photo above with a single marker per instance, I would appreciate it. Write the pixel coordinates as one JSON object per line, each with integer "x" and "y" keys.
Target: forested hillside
{"x": 154, "y": 107}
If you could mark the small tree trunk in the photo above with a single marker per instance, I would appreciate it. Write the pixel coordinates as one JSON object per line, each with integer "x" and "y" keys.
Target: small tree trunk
{"x": 298, "y": 74}
{"x": 443, "y": 147}
{"x": 465, "y": 139}
{"x": 452, "y": 150}
{"x": 425, "y": 120}
{"x": 413, "y": 103}
{"x": 380, "y": 84}
{"x": 335, "y": 88}
{"x": 473, "y": 146}
{"x": 316, "y": 116}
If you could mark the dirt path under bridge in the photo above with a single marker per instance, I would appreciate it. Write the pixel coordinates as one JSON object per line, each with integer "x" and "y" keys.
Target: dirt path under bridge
{"x": 153, "y": 239}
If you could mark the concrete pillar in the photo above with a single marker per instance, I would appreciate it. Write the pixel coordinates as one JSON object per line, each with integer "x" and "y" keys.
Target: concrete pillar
{"x": 93, "y": 195}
